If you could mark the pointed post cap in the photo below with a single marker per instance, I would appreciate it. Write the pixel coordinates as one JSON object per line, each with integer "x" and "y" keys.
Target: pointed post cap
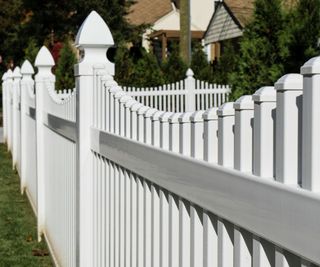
{"x": 291, "y": 81}
{"x": 16, "y": 73}
{"x": 9, "y": 74}
{"x": 94, "y": 32}
{"x": 265, "y": 94}
{"x": 189, "y": 73}
{"x": 245, "y": 102}
{"x": 44, "y": 58}
{"x": 226, "y": 110}
{"x": 26, "y": 68}
{"x": 312, "y": 66}
{"x": 4, "y": 76}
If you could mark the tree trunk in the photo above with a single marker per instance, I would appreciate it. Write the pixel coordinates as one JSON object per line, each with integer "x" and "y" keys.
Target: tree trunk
{"x": 185, "y": 33}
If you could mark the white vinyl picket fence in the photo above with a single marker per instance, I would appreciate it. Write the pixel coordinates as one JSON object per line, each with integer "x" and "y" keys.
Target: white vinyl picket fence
{"x": 118, "y": 183}
{"x": 185, "y": 95}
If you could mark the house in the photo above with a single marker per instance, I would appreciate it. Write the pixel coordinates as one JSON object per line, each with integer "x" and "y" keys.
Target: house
{"x": 164, "y": 19}
{"x": 227, "y": 23}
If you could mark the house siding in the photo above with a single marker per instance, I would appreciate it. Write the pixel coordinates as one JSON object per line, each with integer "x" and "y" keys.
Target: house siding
{"x": 222, "y": 27}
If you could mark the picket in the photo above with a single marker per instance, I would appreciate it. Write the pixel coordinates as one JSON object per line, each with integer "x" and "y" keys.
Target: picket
{"x": 171, "y": 181}
{"x": 181, "y": 96}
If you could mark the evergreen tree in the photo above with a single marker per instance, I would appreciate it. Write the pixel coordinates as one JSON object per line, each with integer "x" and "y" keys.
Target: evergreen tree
{"x": 227, "y": 63}
{"x": 304, "y": 27}
{"x": 147, "y": 71}
{"x": 124, "y": 66}
{"x": 200, "y": 64}
{"x": 263, "y": 49}
{"x": 174, "y": 68}
{"x": 31, "y": 51}
{"x": 64, "y": 69}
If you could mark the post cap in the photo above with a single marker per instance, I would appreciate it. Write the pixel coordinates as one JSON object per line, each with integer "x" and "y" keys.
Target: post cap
{"x": 210, "y": 114}
{"x": 245, "y": 102}
{"x": 115, "y": 88}
{"x": 143, "y": 109}
{"x": 312, "y": 66}
{"x": 156, "y": 116}
{"x": 136, "y": 106}
{"x": 16, "y": 72}
{"x": 119, "y": 94}
{"x": 9, "y": 74}
{"x": 265, "y": 94}
{"x": 174, "y": 118}
{"x": 130, "y": 103}
{"x": 27, "y": 68}
{"x": 44, "y": 58}
{"x": 197, "y": 116}
{"x": 165, "y": 116}
{"x": 291, "y": 81}
{"x": 226, "y": 110}
{"x": 150, "y": 112}
{"x": 185, "y": 117}
{"x": 125, "y": 98}
{"x": 189, "y": 73}
{"x": 94, "y": 32}
{"x": 4, "y": 76}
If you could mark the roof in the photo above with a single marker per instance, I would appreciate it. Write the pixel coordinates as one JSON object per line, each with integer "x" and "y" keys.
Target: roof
{"x": 242, "y": 10}
{"x": 148, "y": 11}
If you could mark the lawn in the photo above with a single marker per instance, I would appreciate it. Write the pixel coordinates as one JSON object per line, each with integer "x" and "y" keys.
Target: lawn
{"x": 18, "y": 232}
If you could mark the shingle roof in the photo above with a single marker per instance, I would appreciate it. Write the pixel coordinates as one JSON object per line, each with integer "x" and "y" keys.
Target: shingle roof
{"x": 242, "y": 10}
{"x": 148, "y": 11}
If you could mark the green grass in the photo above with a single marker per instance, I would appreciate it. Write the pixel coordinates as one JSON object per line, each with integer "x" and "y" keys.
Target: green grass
{"x": 18, "y": 232}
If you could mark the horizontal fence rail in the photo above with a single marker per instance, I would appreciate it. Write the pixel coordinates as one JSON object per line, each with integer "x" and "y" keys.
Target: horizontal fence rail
{"x": 118, "y": 181}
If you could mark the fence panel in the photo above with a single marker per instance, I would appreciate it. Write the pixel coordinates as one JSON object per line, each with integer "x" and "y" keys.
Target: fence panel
{"x": 185, "y": 95}
{"x": 124, "y": 183}
{"x": 56, "y": 163}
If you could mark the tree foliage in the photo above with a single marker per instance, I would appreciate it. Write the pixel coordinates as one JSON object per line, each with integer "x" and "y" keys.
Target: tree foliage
{"x": 64, "y": 68}
{"x": 279, "y": 40}
{"x": 262, "y": 49}
{"x": 200, "y": 64}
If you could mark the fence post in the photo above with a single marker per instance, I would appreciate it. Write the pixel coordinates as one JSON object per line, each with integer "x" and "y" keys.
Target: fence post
{"x": 210, "y": 135}
{"x": 225, "y": 158}
{"x": 311, "y": 125}
{"x": 26, "y": 71}
{"x": 9, "y": 84}
{"x": 263, "y": 159}
{"x": 190, "y": 84}
{"x": 243, "y": 135}
{"x": 288, "y": 137}
{"x": 4, "y": 106}
{"x": 16, "y": 87}
{"x": 44, "y": 62}
{"x": 93, "y": 39}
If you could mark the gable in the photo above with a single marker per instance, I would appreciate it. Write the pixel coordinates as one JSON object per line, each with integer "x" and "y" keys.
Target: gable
{"x": 223, "y": 26}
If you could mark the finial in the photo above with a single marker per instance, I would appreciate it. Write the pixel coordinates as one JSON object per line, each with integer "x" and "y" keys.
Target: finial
{"x": 44, "y": 58}
{"x": 26, "y": 68}
{"x": 16, "y": 72}
{"x": 94, "y": 32}
{"x": 189, "y": 73}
